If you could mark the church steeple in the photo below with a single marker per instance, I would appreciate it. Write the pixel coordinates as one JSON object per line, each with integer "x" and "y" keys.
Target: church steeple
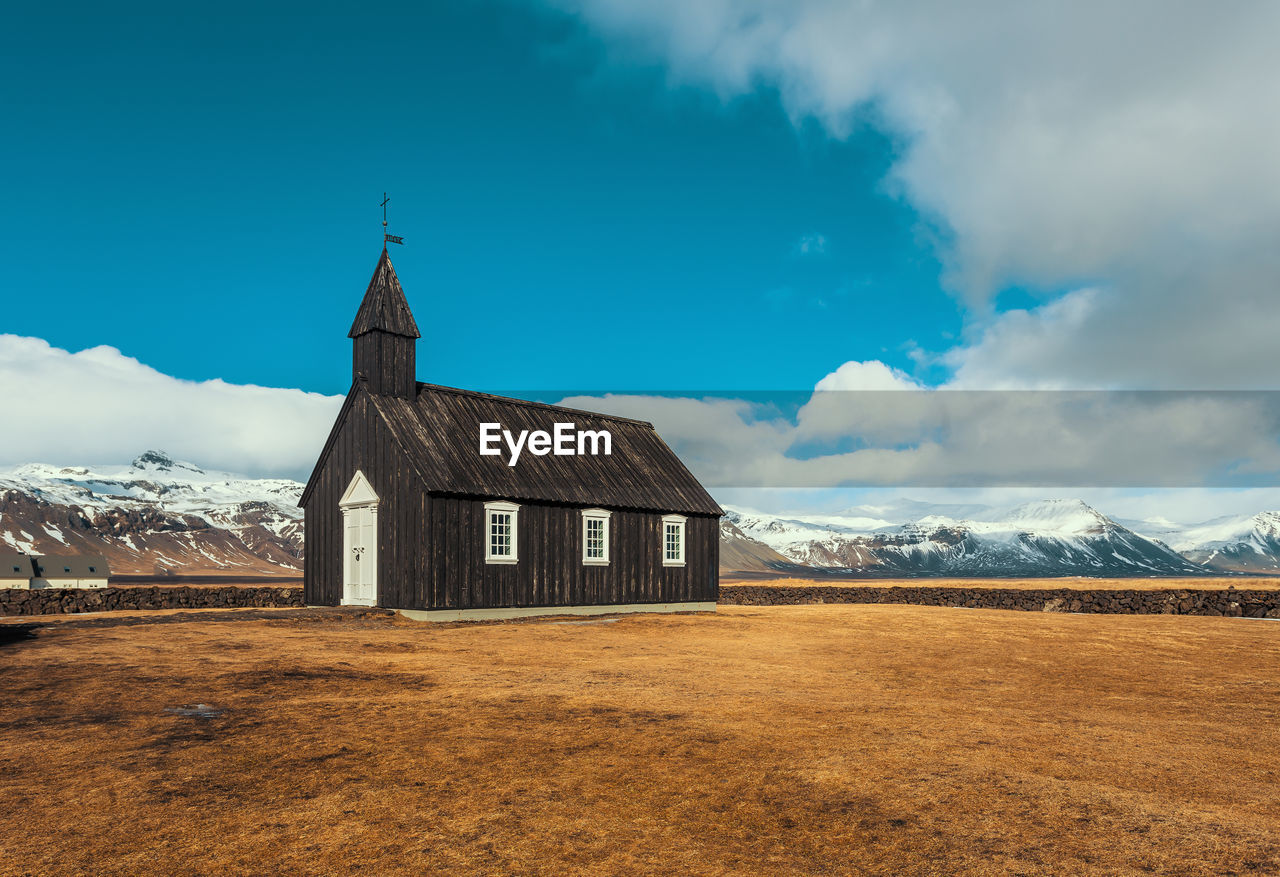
{"x": 384, "y": 335}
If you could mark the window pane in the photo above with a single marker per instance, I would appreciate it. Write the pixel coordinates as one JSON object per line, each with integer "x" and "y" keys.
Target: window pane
{"x": 672, "y": 541}
{"x": 593, "y": 547}
{"x": 500, "y": 534}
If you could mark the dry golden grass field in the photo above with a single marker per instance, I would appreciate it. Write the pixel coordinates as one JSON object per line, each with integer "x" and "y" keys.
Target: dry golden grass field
{"x": 761, "y": 740}
{"x": 1243, "y": 583}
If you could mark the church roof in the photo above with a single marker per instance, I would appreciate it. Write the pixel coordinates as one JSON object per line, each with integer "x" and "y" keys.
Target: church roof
{"x": 440, "y": 433}
{"x": 384, "y": 307}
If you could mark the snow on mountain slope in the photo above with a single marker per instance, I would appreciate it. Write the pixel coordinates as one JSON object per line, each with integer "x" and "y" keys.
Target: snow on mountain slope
{"x": 1062, "y": 516}
{"x": 740, "y": 552}
{"x": 152, "y": 477}
{"x": 1242, "y": 544}
{"x": 1047, "y": 538}
{"x": 1220, "y": 532}
{"x": 154, "y": 513}
{"x": 158, "y": 512}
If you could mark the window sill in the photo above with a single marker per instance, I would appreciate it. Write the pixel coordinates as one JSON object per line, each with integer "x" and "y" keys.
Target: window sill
{"x": 509, "y": 561}
{"x": 673, "y": 563}
{"x": 595, "y": 562}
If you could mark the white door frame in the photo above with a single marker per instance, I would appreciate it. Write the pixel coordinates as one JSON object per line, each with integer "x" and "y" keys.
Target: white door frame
{"x": 359, "y": 499}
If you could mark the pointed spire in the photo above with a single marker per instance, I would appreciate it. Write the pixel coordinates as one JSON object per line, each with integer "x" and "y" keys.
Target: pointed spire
{"x": 384, "y": 308}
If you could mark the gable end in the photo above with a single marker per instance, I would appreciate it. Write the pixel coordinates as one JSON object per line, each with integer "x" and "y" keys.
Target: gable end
{"x": 338, "y": 423}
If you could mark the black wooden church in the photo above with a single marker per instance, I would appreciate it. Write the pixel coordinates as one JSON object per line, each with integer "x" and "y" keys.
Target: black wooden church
{"x": 594, "y": 514}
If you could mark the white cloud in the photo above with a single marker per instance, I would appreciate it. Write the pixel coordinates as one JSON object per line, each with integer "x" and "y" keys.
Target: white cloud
{"x": 1181, "y": 506}
{"x": 811, "y": 245}
{"x": 870, "y": 375}
{"x": 1023, "y": 348}
{"x": 100, "y": 406}
{"x": 866, "y": 424}
{"x": 719, "y": 439}
{"x": 1127, "y": 147}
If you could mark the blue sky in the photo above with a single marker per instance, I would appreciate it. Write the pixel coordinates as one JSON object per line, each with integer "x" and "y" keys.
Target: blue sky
{"x": 607, "y": 196}
{"x": 201, "y": 191}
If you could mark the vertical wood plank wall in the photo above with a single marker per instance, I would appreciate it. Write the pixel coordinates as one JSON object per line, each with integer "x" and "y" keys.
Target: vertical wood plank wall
{"x": 431, "y": 549}
{"x": 364, "y": 443}
{"x": 387, "y": 361}
{"x": 550, "y": 572}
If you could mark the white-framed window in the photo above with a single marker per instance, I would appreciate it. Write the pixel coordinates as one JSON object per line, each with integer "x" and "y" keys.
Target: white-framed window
{"x": 673, "y": 540}
{"x": 595, "y": 537}
{"x": 501, "y": 528}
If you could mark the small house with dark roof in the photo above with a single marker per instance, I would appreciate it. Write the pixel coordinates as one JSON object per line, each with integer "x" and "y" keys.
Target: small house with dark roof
{"x": 70, "y": 571}
{"x": 16, "y": 570}
{"x": 447, "y": 503}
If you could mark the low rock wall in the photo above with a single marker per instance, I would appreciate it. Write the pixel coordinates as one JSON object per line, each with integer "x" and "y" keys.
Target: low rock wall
{"x": 1228, "y": 602}
{"x": 60, "y": 601}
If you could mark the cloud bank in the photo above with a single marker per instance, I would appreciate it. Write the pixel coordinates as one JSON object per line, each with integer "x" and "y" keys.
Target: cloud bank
{"x": 100, "y": 406}
{"x": 1119, "y": 156}
{"x": 868, "y": 425}
{"x": 864, "y": 425}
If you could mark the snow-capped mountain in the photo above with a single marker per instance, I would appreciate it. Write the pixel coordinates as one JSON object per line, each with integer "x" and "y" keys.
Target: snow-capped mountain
{"x": 1242, "y": 544}
{"x": 155, "y": 513}
{"x": 1046, "y": 538}
{"x": 739, "y": 551}
{"x": 158, "y": 513}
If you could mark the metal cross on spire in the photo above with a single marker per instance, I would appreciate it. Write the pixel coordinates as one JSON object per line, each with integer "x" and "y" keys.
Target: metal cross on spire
{"x": 388, "y": 238}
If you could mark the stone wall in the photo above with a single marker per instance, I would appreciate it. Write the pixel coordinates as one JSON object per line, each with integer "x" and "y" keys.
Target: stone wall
{"x": 59, "y": 601}
{"x": 1228, "y": 602}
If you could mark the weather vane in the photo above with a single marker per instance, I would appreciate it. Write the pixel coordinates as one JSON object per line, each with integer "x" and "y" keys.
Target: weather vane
{"x": 388, "y": 238}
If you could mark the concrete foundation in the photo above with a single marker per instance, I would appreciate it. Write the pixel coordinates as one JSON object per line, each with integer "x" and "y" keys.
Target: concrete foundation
{"x": 535, "y": 611}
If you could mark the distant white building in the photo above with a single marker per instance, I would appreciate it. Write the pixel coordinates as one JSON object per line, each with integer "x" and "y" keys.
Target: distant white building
{"x": 69, "y": 571}
{"x": 16, "y": 570}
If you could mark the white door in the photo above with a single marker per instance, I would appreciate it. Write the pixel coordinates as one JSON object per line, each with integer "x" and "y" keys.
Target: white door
{"x": 359, "y": 543}
{"x": 361, "y": 583}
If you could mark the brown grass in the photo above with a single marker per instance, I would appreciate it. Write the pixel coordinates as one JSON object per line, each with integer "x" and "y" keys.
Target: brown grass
{"x": 1077, "y": 583}
{"x": 773, "y": 740}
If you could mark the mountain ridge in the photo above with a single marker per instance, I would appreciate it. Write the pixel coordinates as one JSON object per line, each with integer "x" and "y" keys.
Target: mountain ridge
{"x": 160, "y": 514}
{"x": 1043, "y": 538}
{"x": 155, "y": 515}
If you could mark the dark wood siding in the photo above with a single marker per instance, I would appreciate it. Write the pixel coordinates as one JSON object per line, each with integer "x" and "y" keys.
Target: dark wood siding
{"x": 417, "y": 444}
{"x": 363, "y": 442}
{"x": 431, "y": 546}
{"x": 387, "y": 363}
{"x": 550, "y": 572}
